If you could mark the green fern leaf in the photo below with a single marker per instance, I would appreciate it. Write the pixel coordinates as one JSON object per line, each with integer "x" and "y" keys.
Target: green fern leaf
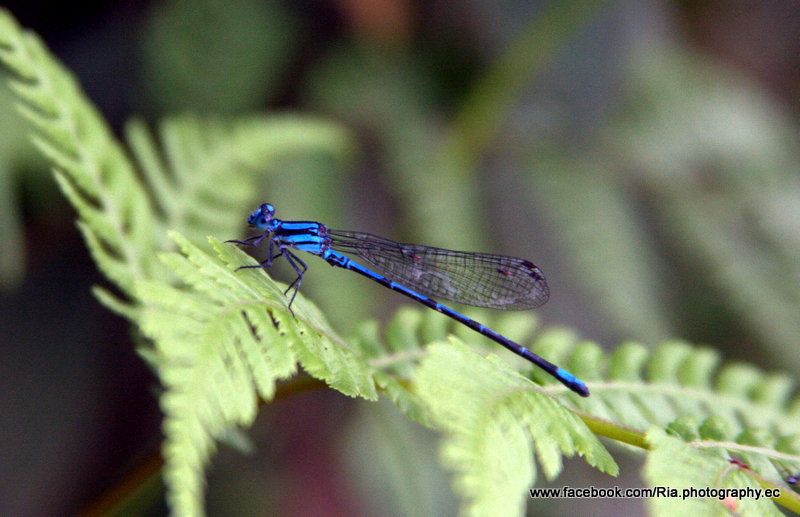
{"x": 220, "y": 343}
{"x": 209, "y": 352}
{"x": 94, "y": 172}
{"x": 123, "y": 224}
{"x": 200, "y": 155}
{"x": 395, "y": 362}
{"x": 680, "y": 380}
{"x": 495, "y": 419}
{"x": 673, "y": 463}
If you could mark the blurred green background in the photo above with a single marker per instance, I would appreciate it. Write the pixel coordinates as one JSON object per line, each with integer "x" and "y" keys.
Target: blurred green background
{"x": 644, "y": 154}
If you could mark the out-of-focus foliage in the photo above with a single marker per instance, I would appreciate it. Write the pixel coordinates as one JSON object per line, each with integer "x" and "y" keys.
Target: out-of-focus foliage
{"x": 210, "y": 54}
{"x": 685, "y": 220}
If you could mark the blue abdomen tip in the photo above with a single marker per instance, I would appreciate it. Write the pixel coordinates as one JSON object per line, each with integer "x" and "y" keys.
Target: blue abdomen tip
{"x": 572, "y": 382}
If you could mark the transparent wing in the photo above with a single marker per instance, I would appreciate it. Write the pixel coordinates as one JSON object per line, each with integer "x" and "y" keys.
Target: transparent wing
{"x": 477, "y": 279}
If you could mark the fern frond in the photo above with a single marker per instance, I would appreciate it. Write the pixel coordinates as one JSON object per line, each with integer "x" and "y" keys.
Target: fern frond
{"x": 222, "y": 342}
{"x": 209, "y": 352}
{"x": 675, "y": 464}
{"x": 123, "y": 223}
{"x": 675, "y": 379}
{"x": 94, "y": 172}
{"x": 733, "y": 408}
{"x": 207, "y": 170}
{"x": 495, "y": 419}
{"x": 395, "y": 362}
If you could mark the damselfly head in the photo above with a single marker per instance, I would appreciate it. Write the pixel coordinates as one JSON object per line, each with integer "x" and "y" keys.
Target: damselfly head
{"x": 261, "y": 216}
